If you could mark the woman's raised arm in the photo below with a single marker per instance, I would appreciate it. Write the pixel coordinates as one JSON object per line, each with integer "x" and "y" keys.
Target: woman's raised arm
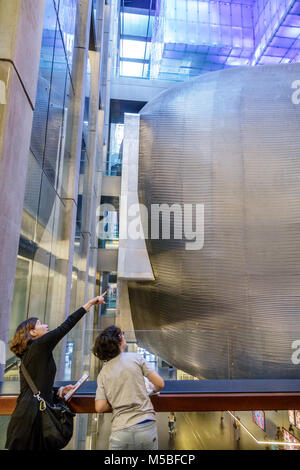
{"x": 53, "y": 337}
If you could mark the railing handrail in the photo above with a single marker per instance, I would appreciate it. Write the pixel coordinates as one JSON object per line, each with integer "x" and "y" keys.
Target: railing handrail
{"x": 202, "y": 395}
{"x": 190, "y": 402}
{"x": 10, "y": 364}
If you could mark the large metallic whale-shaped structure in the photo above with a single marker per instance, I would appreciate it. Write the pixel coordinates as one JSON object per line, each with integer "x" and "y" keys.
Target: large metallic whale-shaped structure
{"x": 229, "y": 140}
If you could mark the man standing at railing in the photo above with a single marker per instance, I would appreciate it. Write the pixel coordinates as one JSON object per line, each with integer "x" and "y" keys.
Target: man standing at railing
{"x": 121, "y": 387}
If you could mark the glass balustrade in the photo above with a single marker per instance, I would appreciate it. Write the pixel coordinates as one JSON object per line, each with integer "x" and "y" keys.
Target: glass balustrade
{"x": 216, "y": 430}
{"x": 194, "y": 430}
{"x": 76, "y": 347}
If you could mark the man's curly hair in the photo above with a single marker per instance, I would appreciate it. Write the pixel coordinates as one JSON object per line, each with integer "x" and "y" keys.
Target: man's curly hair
{"x": 107, "y": 343}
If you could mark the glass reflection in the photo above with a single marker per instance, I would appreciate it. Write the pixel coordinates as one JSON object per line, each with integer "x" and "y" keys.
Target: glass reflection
{"x": 56, "y": 113}
{"x": 67, "y": 17}
{"x": 42, "y": 265}
{"x": 39, "y": 124}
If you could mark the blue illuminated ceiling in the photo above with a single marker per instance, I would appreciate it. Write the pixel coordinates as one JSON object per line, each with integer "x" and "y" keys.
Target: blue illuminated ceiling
{"x": 283, "y": 43}
{"x": 142, "y": 4}
{"x": 178, "y": 39}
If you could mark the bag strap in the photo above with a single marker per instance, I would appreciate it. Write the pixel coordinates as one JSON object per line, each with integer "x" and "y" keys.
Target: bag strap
{"x": 32, "y": 385}
{"x": 29, "y": 379}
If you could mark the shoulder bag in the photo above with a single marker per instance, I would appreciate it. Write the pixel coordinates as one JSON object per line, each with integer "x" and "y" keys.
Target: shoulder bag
{"x": 57, "y": 419}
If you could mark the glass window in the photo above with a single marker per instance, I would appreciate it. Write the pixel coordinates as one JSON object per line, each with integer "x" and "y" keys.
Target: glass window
{"x": 39, "y": 124}
{"x": 43, "y": 240}
{"x": 55, "y": 121}
{"x": 57, "y": 273}
{"x": 133, "y": 49}
{"x": 50, "y": 15}
{"x": 49, "y": 119}
{"x": 236, "y": 15}
{"x": 20, "y": 298}
{"x": 67, "y": 17}
{"x": 114, "y": 160}
{"x": 203, "y": 12}
{"x": 108, "y": 283}
{"x": 31, "y": 198}
{"x": 136, "y": 25}
{"x": 133, "y": 69}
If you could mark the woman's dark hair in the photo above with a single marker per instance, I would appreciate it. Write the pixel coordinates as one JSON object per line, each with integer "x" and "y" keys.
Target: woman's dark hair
{"x": 22, "y": 337}
{"x": 107, "y": 343}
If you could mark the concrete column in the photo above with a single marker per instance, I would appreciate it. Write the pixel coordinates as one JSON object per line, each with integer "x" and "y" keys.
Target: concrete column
{"x": 72, "y": 159}
{"x": 110, "y": 32}
{"x": 94, "y": 183}
{"x": 99, "y": 27}
{"x": 105, "y": 88}
{"x": 88, "y": 266}
{"x": 21, "y": 26}
{"x": 87, "y": 279}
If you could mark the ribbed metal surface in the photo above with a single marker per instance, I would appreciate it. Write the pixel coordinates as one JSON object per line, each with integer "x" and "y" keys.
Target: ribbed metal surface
{"x": 231, "y": 141}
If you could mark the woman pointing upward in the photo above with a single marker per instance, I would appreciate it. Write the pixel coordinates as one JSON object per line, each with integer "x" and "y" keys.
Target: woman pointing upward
{"x": 33, "y": 343}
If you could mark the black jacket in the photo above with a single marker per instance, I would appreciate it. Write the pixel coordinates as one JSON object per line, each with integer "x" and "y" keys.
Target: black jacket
{"x": 24, "y": 429}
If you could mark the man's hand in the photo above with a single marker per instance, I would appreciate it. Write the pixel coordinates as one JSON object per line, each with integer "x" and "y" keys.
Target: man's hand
{"x": 151, "y": 390}
{"x": 156, "y": 380}
{"x": 62, "y": 391}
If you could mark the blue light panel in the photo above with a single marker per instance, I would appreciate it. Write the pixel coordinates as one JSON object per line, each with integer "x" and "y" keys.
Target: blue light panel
{"x": 284, "y": 45}
{"x": 190, "y": 37}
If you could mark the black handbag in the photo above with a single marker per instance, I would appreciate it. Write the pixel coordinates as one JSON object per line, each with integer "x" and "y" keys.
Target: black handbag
{"x": 57, "y": 420}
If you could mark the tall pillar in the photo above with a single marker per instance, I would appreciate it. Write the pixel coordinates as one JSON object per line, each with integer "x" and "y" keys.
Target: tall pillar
{"x": 71, "y": 168}
{"x": 89, "y": 258}
{"x": 87, "y": 272}
{"x": 21, "y": 26}
{"x": 110, "y": 33}
{"x": 88, "y": 255}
